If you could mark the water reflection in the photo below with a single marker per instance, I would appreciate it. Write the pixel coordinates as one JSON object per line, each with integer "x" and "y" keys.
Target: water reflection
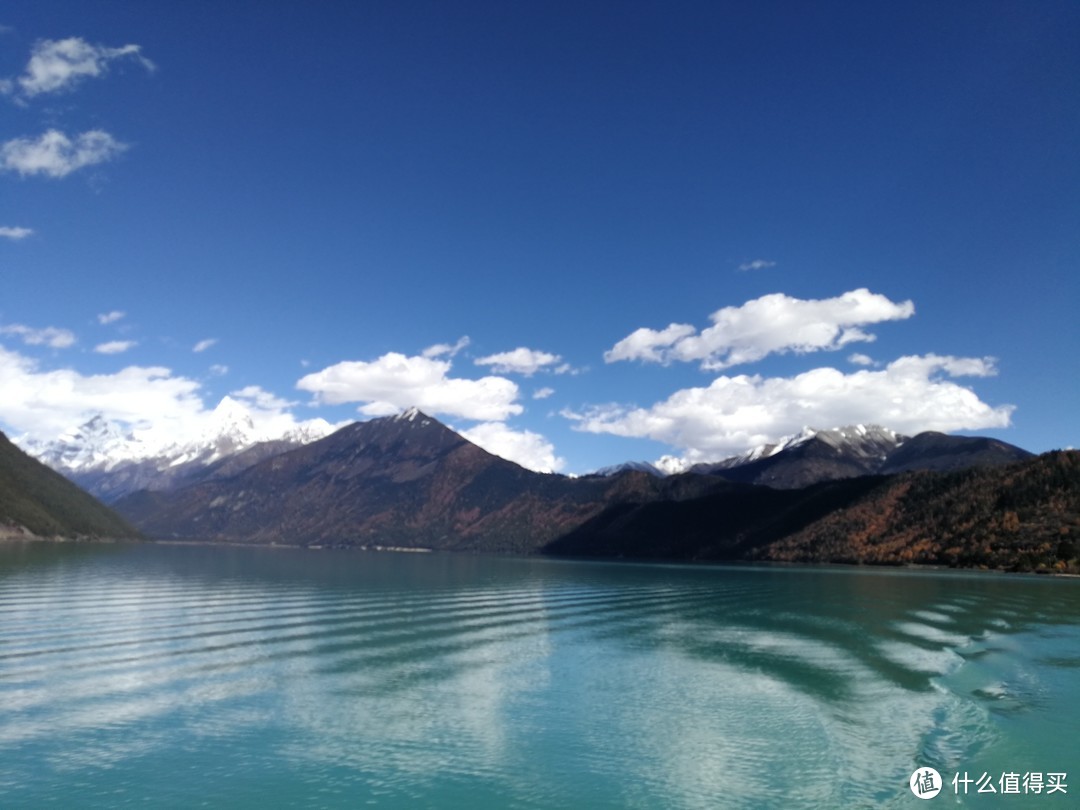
{"x": 273, "y": 676}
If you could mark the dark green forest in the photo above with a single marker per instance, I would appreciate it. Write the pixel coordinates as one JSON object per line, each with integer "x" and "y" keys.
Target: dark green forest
{"x": 42, "y": 502}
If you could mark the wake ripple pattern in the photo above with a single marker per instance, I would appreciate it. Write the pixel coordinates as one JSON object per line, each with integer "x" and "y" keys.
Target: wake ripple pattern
{"x": 180, "y": 677}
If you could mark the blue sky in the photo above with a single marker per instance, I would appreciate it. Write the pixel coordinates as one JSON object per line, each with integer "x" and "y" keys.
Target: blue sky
{"x": 846, "y": 212}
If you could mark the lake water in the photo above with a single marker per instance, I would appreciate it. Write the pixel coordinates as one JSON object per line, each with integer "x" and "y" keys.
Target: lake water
{"x": 169, "y": 676}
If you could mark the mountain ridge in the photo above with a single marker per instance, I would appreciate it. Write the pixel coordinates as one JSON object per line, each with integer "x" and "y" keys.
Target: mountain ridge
{"x": 408, "y": 481}
{"x": 38, "y": 502}
{"x": 814, "y": 456}
{"x": 404, "y": 480}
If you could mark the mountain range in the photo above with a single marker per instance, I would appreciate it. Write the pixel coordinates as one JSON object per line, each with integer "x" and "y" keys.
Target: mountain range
{"x": 400, "y": 481}
{"x": 110, "y": 463}
{"x": 828, "y": 455}
{"x": 856, "y": 494}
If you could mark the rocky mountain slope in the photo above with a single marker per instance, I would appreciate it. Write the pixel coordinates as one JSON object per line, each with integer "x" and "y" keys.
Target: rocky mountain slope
{"x": 37, "y": 501}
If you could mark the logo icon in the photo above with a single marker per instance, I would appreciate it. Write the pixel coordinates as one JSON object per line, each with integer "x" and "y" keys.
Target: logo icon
{"x": 925, "y": 783}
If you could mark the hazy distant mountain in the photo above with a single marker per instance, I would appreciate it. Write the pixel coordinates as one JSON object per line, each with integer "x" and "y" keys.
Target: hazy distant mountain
{"x": 406, "y": 480}
{"x": 38, "y": 501}
{"x": 110, "y": 463}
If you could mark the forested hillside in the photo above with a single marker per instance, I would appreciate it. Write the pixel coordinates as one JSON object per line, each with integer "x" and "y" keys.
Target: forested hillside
{"x": 1022, "y": 517}
{"x": 38, "y": 501}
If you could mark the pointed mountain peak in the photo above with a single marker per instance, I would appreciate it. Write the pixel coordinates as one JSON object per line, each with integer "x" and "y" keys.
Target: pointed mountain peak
{"x": 231, "y": 412}
{"x": 415, "y": 416}
{"x": 410, "y": 415}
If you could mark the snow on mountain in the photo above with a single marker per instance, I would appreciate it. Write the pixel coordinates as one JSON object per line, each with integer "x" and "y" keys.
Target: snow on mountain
{"x": 96, "y": 443}
{"x": 99, "y": 445}
{"x": 859, "y": 441}
{"x": 638, "y": 466}
{"x": 868, "y": 441}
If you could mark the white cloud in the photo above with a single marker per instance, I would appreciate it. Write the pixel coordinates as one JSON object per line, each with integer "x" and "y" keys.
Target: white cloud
{"x": 771, "y": 324}
{"x": 115, "y": 346}
{"x": 157, "y": 407}
{"x": 394, "y": 382}
{"x": 732, "y": 414}
{"x": 49, "y": 336}
{"x": 861, "y": 359}
{"x": 262, "y": 399}
{"x": 45, "y": 403}
{"x": 60, "y": 64}
{"x": 530, "y": 450}
{"x": 757, "y": 264}
{"x": 543, "y": 393}
{"x": 110, "y": 317}
{"x": 15, "y": 233}
{"x": 646, "y": 344}
{"x": 56, "y": 155}
{"x": 219, "y": 370}
{"x": 521, "y": 361}
{"x": 203, "y": 345}
{"x": 446, "y": 349}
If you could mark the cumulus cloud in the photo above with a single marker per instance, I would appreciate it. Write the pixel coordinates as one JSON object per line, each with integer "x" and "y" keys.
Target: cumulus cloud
{"x": 756, "y": 264}
{"x": 49, "y": 336}
{"x": 530, "y": 450}
{"x": 157, "y": 407}
{"x": 45, "y": 403}
{"x": 772, "y": 324}
{"x": 543, "y": 393}
{"x": 110, "y": 317}
{"x": 649, "y": 344}
{"x": 14, "y": 233}
{"x": 522, "y": 361}
{"x": 861, "y": 359}
{"x": 219, "y": 370}
{"x": 54, "y": 154}
{"x": 911, "y": 394}
{"x": 203, "y": 345}
{"x": 395, "y": 381}
{"x": 60, "y": 64}
{"x": 115, "y": 346}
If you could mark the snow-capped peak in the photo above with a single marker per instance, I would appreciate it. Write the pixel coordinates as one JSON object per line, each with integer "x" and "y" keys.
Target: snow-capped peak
{"x": 99, "y": 444}
{"x": 870, "y": 441}
{"x": 634, "y": 466}
{"x": 414, "y": 415}
{"x": 96, "y": 442}
{"x": 850, "y": 436}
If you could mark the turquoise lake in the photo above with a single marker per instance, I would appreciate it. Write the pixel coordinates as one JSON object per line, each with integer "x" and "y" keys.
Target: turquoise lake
{"x": 188, "y": 676}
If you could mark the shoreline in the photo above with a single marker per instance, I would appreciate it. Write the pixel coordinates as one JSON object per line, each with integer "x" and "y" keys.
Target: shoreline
{"x": 13, "y": 536}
